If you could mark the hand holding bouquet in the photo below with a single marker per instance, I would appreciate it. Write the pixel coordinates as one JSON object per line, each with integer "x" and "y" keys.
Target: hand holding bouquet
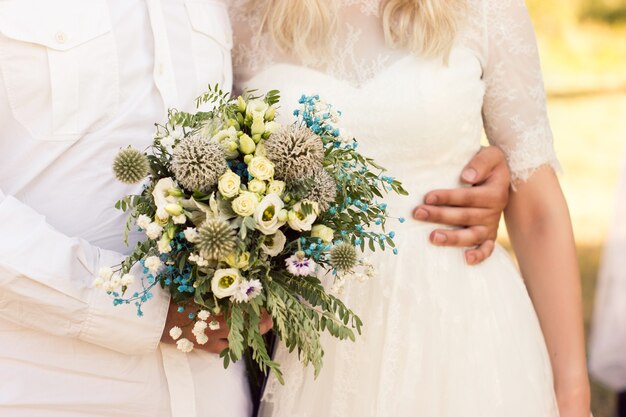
{"x": 243, "y": 215}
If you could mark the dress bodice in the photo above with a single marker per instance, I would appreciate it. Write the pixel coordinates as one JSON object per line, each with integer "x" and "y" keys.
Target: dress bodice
{"x": 420, "y": 117}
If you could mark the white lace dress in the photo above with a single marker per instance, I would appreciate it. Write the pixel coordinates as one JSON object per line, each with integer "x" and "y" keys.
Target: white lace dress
{"x": 441, "y": 338}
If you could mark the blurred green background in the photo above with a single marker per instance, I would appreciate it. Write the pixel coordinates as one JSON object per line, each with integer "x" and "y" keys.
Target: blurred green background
{"x": 583, "y": 51}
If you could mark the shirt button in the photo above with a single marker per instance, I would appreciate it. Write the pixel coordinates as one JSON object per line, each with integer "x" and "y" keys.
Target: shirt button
{"x": 60, "y": 37}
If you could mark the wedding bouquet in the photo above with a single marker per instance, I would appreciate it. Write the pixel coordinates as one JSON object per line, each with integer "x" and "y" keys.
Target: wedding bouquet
{"x": 243, "y": 215}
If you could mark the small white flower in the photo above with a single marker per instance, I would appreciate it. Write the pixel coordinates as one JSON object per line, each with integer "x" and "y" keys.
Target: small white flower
{"x": 247, "y": 291}
{"x": 115, "y": 281}
{"x": 229, "y": 184}
{"x": 246, "y": 203}
{"x": 204, "y": 315}
{"x": 298, "y": 221}
{"x": 153, "y": 231}
{"x": 202, "y": 338}
{"x": 276, "y": 187}
{"x": 127, "y": 280}
{"x": 225, "y": 282}
{"x": 98, "y": 282}
{"x": 266, "y": 214}
{"x": 180, "y": 219}
{"x": 153, "y": 263}
{"x": 105, "y": 273}
{"x": 184, "y": 345}
{"x": 191, "y": 234}
{"x": 143, "y": 221}
{"x": 261, "y": 168}
{"x": 168, "y": 141}
{"x": 198, "y": 260}
{"x": 199, "y": 327}
{"x": 162, "y": 196}
{"x": 176, "y": 332}
{"x": 214, "y": 325}
{"x": 273, "y": 245}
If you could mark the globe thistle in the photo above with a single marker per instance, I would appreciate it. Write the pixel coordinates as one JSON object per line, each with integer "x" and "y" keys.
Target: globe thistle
{"x": 295, "y": 151}
{"x": 130, "y": 166}
{"x": 216, "y": 239}
{"x": 323, "y": 189}
{"x": 343, "y": 257}
{"x": 197, "y": 163}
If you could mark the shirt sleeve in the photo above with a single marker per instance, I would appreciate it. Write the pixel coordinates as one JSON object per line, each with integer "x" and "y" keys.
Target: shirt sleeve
{"x": 46, "y": 284}
{"x": 514, "y": 109}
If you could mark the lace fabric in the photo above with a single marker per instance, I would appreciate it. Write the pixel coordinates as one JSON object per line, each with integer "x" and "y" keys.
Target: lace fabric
{"x": 498, "y": 32}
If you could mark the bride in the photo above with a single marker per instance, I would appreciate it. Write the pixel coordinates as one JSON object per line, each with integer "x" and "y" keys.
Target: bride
{"x": 416, "y": 81}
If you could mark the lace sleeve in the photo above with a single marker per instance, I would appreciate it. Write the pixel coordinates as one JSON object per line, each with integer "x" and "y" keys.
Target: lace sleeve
{"x": 514, "y": 109}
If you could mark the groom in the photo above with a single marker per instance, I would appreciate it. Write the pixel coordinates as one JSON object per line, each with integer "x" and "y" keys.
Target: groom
{"x": 78, "y": 80}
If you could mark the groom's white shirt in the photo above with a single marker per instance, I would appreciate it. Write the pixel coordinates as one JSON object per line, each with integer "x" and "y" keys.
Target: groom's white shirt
{"x": 78, "y": 80}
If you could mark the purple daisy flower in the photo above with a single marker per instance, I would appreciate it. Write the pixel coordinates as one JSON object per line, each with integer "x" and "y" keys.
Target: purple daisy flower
{"x": 300, "y": 265}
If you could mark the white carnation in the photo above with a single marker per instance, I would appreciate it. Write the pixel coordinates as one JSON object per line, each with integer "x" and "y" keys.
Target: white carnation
{"x": 115, "y": 282}
{"x": 202, "y": 338}
{"x": 180, "y": 219}
{"x": 204, "y": 315}
{"x": 191, "y": 234}
{"x": 143, "y": 221}
{"x": 153, "y": 263}
{"x": 98, "y": 282}
{"x": 153, "y": 231}
{"x": 127, "y": 280}
{"x": 105, "y": 273}
{"x": 199, "y": 327}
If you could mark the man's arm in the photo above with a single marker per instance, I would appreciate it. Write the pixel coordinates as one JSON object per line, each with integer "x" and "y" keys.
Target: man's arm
{"x": 46, "y": 284}
{"x": 478, "y": 208}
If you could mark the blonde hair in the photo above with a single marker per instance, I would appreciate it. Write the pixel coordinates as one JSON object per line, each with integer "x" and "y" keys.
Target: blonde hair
{"x": 304, "y": 27}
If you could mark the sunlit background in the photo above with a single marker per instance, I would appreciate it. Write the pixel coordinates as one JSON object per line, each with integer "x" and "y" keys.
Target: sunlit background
{"x": 583, "y": 52}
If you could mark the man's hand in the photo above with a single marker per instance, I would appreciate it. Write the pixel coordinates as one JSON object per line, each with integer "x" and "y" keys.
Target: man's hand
{"x": 477, "y": 208}
{"x": 218, "y": 339}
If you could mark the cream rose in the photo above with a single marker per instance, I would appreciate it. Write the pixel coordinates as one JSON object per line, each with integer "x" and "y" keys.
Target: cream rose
{"x": 276, "y": 187}
{"x": 273, "y": 245}
{"x": 298, "y": 220}
{"x": 229, "y": 184}
{"x": 246, "y": 203}
{"x": 240, "y": 262}
{"x": 257, "y": 186}
{"x": 322, "y": 232}
{"x": 266, "y": 214}
{"x": 225, "y": 282}
{"x": 261, "y": 168}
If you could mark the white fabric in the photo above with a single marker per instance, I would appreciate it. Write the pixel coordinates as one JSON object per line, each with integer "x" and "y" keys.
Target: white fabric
{"x": 607, "y": 344}
{"x": 441, "y": 338}
{"x": 78, "y": 80}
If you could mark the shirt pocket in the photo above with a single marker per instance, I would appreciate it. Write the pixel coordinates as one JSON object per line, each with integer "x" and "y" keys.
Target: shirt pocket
{"x": 211, "y": 42}
{"x": 58, "y": 61}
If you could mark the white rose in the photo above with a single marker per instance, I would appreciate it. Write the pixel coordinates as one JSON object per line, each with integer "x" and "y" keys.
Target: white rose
{"x": 276, "y": 187}
{"x": 229, "y": 184}
{"x": 257, "y": 186}
{"x": 143, "y": 221}
{"x": 191, "y": 234}
{"x": 246, "y": 203}
{"x": 153, "y": 263}
{"x": 298, "y": 220}
{"x": 153, "y": 231}
{"x": 225, "y": 282}
{"x": 273, "y": 245}
{"x": 266, "y": 214}
{"x": 162, "y": 196}
{"x": 322, "y": 232}
{"x": 261, "y": 168}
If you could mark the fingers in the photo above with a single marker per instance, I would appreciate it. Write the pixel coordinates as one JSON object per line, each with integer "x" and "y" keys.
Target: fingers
{"x": 483, "y": 164}
{"x": 479, "y": 254}
{"x": 471, "y": 236}
{"x": 491, "y": 195}
{"x": 266, "y": 323}
{"x": 456, "y": 216}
